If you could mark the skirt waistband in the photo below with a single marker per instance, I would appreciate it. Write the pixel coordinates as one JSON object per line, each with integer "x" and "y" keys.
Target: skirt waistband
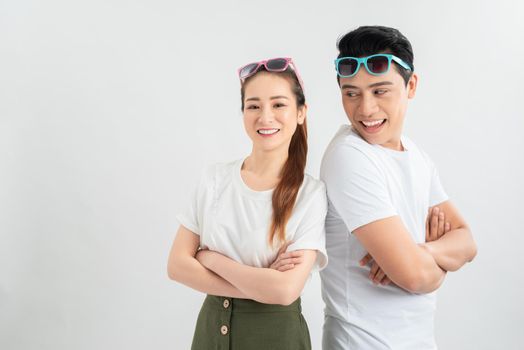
{"x": 248, "y": 305}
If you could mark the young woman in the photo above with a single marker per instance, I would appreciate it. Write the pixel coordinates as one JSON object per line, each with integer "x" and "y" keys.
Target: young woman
{"x": 255, "y": 228}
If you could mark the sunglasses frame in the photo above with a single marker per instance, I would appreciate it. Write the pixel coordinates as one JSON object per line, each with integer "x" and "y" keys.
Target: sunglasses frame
{"x": 364, "y": 60}
{"x": 289, "y": 63}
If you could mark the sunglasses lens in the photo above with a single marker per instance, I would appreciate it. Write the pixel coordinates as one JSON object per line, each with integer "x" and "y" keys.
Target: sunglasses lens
{"x": 278, "y": 64}
{"x": 248, "y": 70}
{"x": 347, "y": 66}
{"x": 378, "y": 64}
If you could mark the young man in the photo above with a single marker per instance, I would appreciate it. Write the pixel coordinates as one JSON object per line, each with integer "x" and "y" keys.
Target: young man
{"x": 386, "y": 258}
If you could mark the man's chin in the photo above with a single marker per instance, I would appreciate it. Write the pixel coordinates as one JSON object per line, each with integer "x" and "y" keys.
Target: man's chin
{"x": 368, "y": 138}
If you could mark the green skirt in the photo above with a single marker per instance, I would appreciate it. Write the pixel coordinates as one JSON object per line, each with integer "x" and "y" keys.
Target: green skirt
{"x": 242, "y": 324}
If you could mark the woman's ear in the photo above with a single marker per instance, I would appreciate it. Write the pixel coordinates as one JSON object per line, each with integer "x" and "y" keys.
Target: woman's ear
{"x": 302, "y": 113}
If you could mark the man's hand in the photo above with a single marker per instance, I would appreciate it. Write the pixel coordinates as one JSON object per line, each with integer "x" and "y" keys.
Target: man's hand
{"x": 436, "y": 224}
{"x": 286, "y": 261}
{"x": 436, "y": 227}
{"x": 376, "y": 275}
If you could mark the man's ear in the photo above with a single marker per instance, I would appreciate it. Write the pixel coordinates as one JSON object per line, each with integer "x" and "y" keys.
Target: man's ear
{"x": 302, "y": 114}
{"x": 412, "y": 85}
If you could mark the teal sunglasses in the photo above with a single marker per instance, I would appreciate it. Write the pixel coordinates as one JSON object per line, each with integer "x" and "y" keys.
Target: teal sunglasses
{"x": 375, "y": 64}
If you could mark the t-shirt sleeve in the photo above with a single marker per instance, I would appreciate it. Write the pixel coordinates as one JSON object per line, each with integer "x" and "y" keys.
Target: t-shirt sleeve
{"x": 311, "y": 233}
{"x": 191, "y": 218}
{"x": 356, "y": 187}
{"x": 437, "y": 194}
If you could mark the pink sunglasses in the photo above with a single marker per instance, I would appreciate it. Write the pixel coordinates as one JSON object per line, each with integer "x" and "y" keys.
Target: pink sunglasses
{"x": 279, "y": 64}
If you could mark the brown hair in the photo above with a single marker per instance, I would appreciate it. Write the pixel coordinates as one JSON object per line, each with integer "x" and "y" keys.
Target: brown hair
{"x": 292, "y": 173}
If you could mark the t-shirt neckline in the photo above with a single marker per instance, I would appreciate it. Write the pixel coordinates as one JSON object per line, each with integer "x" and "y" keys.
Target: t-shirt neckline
{"x": 404, "y": 153}
{"x": 245, "y": 189}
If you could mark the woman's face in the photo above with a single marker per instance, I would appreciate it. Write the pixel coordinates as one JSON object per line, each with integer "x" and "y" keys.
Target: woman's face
{"x": 271, "y": 114}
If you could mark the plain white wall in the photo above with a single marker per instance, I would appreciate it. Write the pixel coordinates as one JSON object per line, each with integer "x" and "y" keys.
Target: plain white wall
{"x": 109, "y": 111}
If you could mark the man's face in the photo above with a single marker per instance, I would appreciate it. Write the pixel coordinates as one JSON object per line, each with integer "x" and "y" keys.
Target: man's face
{"x": 376, "y": 105}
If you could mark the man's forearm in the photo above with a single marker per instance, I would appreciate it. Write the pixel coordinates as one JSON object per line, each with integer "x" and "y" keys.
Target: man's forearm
{"x": 430, "y": 276}
{"x": 454, "y": 249}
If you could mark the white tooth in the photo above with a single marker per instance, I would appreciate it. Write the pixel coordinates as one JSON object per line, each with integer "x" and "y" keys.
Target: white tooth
{"x": 268, "y": 132}
{"x": 372, "y": 123}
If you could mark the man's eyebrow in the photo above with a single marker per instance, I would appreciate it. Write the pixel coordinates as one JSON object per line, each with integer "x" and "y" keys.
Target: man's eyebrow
{"x": 380, "y": 83}
{"x": 271, "y": 98}
{"x": 348, "y": 86}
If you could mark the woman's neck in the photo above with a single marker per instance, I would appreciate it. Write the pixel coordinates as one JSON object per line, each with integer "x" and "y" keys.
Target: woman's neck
{"x": 262, "y": 170}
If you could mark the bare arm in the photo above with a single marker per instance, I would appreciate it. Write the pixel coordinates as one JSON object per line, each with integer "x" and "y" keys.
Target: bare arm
{"x": 184, "y": 268}
{"x": 264, "y": 285}
{"x": 407, "y": 264}
{"x": 456, "y": 247}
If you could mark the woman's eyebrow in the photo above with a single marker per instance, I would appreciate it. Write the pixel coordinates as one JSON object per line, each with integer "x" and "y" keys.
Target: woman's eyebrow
{"x": 271, "y": 98}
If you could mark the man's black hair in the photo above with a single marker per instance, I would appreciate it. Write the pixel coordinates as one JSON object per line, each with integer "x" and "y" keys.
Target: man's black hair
{"x": 370, "y": 40}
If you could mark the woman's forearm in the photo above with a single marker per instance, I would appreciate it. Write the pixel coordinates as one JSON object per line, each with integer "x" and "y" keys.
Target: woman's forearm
{"x": 188, "y": 271}
{"x": 261, "y": 284}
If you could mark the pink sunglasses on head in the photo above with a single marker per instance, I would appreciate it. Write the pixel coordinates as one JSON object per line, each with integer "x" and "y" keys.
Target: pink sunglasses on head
{"x": 279, "y": 64}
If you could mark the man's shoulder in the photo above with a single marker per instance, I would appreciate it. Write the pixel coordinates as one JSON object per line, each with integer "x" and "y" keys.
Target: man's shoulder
{"x": 417, "y": 151}
{"x": 347, "y": 136}
{"x": 349, "y": 158}
{"x": 348, "y": 146}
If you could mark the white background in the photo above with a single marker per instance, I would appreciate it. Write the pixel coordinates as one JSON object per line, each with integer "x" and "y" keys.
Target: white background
{"x": 109, "y": 111}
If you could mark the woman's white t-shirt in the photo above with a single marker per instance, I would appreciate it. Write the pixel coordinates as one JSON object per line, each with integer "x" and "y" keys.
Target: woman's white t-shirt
{"x": 234, "y": 220}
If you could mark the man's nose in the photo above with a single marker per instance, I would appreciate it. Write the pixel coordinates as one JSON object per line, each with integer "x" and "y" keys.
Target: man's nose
{"x": 368, "y": 106}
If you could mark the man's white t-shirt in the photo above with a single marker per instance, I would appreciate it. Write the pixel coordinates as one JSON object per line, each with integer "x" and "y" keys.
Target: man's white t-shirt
{"x": 366, "y": 183}
{"x": 234, "y": 220}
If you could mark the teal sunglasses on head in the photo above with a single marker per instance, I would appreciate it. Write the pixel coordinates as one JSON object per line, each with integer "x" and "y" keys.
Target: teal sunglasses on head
{"x": 375, "y": 64}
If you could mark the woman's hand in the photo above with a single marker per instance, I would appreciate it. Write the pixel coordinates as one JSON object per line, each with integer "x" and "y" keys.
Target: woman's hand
{"x": 205, "y": 257}
{"x": 286, "y": 261}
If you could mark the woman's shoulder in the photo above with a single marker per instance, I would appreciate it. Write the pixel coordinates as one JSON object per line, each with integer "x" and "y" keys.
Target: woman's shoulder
{"x": 217, "y": 175}
{"x": 312, "y": 187}
{"x": 221, "y": 169}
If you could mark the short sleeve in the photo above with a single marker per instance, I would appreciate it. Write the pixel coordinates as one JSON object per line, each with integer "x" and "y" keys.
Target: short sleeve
{"x": 356, "y": 187}
{"x": 191, "y": 218}
{"x": 311, "y": 233}
{"x": 437, "y": 194}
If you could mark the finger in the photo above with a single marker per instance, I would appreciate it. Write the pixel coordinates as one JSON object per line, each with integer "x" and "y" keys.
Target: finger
{"x": 441, "y": 223}
{"x": 379, "y": 276}
{"x": 297, "y": 260}
{"x": 373, "y": 271}
{"x": 447, "y": 228}
{"x": 286, "y": 255}
{"x": 428, "y": 217}
{"x": 433, "y": 226}
{"x": 277, "y": 265}
{"x": 293, "y": 254}
{"x": 286, "y": 267}
{"x": 366, "y": 259}
{"x": 296, "y": 253}
{"x": 283, "y": 248}
{"x": 385, "y": 281}
{"x": 288, "y": 261}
